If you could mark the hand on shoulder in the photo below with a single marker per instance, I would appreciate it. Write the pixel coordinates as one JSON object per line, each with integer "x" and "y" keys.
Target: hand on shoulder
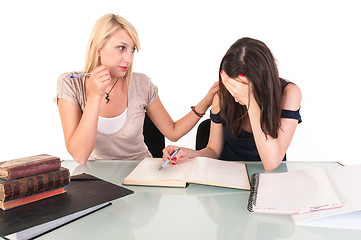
{"x": 212, "y": 92}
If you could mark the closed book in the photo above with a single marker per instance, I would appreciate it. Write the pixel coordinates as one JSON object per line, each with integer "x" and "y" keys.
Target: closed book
{"x": 23, "y": 187}
{"x": 31, "y": 198}
{"x": 27, "y": 166}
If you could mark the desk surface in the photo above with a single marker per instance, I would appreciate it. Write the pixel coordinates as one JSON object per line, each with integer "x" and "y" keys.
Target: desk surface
{"x": 195, "y": 212}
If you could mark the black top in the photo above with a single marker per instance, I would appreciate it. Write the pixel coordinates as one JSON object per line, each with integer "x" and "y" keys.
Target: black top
{"x": 244, "y": 147}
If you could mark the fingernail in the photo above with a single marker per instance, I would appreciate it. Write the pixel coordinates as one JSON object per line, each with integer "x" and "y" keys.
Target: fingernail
{"x": 168, "y": 158}
{"x": 173, "y": 163}
{"x": 221, "y": 72}
{"x": 241, "y": 75}
{"x": 222, "y": 82}
{"x": 175, "y": 158}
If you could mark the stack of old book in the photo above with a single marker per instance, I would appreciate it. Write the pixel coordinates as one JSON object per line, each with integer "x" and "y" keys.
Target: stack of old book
{"x": 29, "y": 179}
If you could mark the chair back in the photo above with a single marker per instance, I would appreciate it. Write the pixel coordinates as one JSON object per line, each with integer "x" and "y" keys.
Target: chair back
{"x": 153, "y": 138}
{"x": 203, "y": 134}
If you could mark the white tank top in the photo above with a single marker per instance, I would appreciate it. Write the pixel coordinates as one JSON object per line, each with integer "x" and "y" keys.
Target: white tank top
{"x": 112, "y": 125}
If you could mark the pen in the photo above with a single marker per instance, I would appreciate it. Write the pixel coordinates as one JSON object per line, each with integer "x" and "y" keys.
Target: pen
{"x": 171, "y": 157}
{"x": 80, "y": 75}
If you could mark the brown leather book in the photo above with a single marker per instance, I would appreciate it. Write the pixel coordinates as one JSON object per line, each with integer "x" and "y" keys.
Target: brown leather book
{"x": 27, "y": 166}
{"x": 23, "y": 187}
{"x": 31, "y": 198}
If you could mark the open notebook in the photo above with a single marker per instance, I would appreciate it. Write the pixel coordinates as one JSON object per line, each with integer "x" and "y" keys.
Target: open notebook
{"x": 292, "y": 192}
{"x": 199, "y": 170}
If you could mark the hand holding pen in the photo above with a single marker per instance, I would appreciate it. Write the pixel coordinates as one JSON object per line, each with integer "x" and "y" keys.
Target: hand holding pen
{"x": 169, "y": 159}
{"x": 98, "y": 79}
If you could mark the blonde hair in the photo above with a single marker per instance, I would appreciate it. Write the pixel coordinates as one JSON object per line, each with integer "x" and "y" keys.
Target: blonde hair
{"x": 103, "y": 29}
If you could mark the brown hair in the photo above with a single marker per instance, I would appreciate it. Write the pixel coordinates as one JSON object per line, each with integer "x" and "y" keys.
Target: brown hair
{"x": 253, "y": 59}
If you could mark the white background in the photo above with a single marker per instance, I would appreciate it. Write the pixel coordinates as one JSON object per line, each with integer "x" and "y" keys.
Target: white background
{"x": 316, "y": 43}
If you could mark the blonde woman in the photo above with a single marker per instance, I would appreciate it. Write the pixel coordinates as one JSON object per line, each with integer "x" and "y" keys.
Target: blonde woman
{"x": 102, "y": 113}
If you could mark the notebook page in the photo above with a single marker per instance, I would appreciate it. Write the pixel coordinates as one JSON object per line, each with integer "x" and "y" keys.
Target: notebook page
{"x": 295, "y": 192}
{"x": 148, "y": 170}
{"x": 219, "y": 173}
{"x": 346, "y": 181}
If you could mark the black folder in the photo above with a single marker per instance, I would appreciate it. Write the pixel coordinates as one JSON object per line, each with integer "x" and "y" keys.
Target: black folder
{"x": 84, "y": 192}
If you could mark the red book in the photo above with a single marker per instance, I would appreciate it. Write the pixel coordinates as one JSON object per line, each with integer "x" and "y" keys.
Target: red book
{"x": 27, "y": 166}
{"x": 32, "y": 198}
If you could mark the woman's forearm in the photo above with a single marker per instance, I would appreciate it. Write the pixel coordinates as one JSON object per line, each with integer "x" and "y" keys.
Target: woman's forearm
{"x": 175, "y": 130}
{"x": 207, "y": 152}
{"x": 186, "y": 123}
{"x": 82, "y": 141}
{"x": 268, "y": 147}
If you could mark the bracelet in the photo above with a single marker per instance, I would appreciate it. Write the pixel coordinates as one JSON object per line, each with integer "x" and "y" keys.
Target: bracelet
{"x": 197, "y": 113}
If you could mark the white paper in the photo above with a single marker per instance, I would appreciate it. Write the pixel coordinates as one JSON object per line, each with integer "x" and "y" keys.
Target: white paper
{"x": 347, "y": 183}
{"x": 295, "y": 192}
{"x": 219, "y": 173}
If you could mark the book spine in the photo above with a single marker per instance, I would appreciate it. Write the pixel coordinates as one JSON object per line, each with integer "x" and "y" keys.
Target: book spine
{"x": 31, "y": 199}
{"x": 33, "y": 168}
{"x": 253, "y": 192}
{"x": 27, "y": 186}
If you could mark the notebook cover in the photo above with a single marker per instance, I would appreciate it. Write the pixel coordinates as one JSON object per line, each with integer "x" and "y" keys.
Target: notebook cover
{"x": 83, "y": 192}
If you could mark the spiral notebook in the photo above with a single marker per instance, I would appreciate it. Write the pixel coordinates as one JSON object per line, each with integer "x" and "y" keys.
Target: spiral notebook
{"x": 292, "y": 192}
